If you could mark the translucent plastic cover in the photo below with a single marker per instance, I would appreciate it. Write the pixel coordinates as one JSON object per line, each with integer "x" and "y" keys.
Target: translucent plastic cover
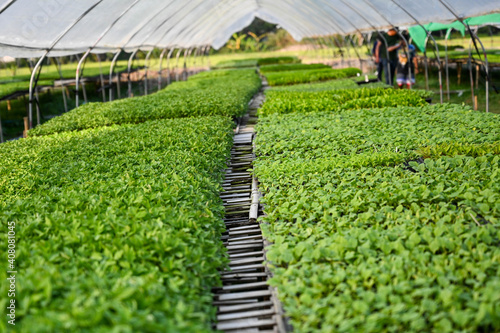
{"x": 32, "y": 27}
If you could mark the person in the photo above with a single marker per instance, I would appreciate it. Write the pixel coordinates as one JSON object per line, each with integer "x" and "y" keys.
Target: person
{"x": 406, "y": 65}
{"x": 388, "y": 54}
{"x": 379, "y": 63}
{"x": 403, "y": 72}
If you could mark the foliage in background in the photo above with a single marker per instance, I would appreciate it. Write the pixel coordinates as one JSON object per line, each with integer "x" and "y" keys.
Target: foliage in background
{"x": 254, "y": 62}
{"x": 258, "y": 36}
{"x": 279, "y": 40}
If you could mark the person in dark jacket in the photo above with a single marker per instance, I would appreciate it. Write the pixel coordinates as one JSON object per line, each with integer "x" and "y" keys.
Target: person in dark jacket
{"x": 388, "y": 55}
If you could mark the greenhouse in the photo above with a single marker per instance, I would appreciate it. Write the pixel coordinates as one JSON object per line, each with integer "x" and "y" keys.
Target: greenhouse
{"x": 250, "y": 165}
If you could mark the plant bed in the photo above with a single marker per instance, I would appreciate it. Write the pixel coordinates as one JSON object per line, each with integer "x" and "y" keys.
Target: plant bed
{"x": 117, "y": 227}
{"x": 290, "y": 67}
{"x": 362, "y": 242}
{"x": 342, "y": 99}
{"x": 202, "y": 95}
{"x": 309, "y": 76}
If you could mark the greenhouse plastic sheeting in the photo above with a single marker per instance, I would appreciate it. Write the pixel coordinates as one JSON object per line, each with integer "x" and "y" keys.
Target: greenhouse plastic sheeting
{"x": 33, "y": 27}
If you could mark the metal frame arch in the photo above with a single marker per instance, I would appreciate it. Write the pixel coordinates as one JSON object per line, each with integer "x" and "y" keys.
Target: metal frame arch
{"x": 146, "y": 24}
{"x": 162, "y": 54}
{"x": 306, "y": 28}
{"x": 187, "y": 31}
{"x": 437, "y": 50}
{"x": 378, "y": 32}
{"x": 315, "y": 11}
{"x": 195, "y": 54}
{"x": 344, "y": 17}
{"x": 129, "y": 69}
{"x": 101, "y": 36}
{"x": 169, "y": 28}
{"x": 111, "y": 68}
{"x": 184, "y": 67}
{"x": 122, "y": 47}
{"x": 6, "y": 6}
{"x": 207, "y": 51}
{"x": 57, "y": 62}
{"x": 473, "y": 35}
{"x": 101, "y": 76}
{"x": 343, "y": 32}
{"x": 397, "y": 30}
{"x": 146, "y": 68}
{"x": 447, "y": 71}
{"x": 38, "y": 64}
{"x": 177, "y": 63}
{"x": 168, "y": 64}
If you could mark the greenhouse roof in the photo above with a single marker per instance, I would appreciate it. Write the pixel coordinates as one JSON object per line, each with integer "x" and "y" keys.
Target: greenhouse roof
{"x": 33, "y": 27}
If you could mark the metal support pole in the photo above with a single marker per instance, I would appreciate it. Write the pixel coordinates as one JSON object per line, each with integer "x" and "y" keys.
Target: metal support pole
{"x": 366, "y": 41}
{"x": 354, "y": 27}
{"x": 30, "y": 112}
{"x": 168, "y": 66}
{"x": 63, "y": 87}
{"x": 318, "y": 48}
{"x": 447, "y": 65}
{"x": 403, "y": 38}
{"x": 486, "y": 68}
{"x": 160, "y": 71}
{"x": 32, "y": 87}
{"x": 101, "y": 78}
{"x": 37, "y": 98}
{"x": 341, "y": 14}
{"x": 355, "y": 50}
{"x": 1, "y": 130}
{"x": 201, "y": 54}
{"x": 177, "y": 64}
{"x": 208, "y": 56}
{"x": 328, "y": 43}
{"x": 440, "y": 73}
{"x": 471, "y": 75}
{"x": 323, "y": 45}
{"x": 384, "y": 40}
{"x": 111, "y": 68}
{"x": 347, "y": 50}
{"x": 77, "y": 77}
{"x": 84, "y": 91}
{"x": 129, "y": 68}
{"x": 146, "y": 68}
{"x": 426, "y": 65}
{"x": 184, "y": 68}
{"x": 200, "y": 59}
{"x": 194, "y": 60}
{"x": 108, "y": 28}
{"x": 333, "y": 50}
{"x": 473, "y": 38}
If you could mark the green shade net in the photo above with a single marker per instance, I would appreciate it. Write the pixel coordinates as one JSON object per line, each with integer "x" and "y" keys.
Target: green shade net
{"x": 419, "y": 35}
{"x": 485, "y": 19}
